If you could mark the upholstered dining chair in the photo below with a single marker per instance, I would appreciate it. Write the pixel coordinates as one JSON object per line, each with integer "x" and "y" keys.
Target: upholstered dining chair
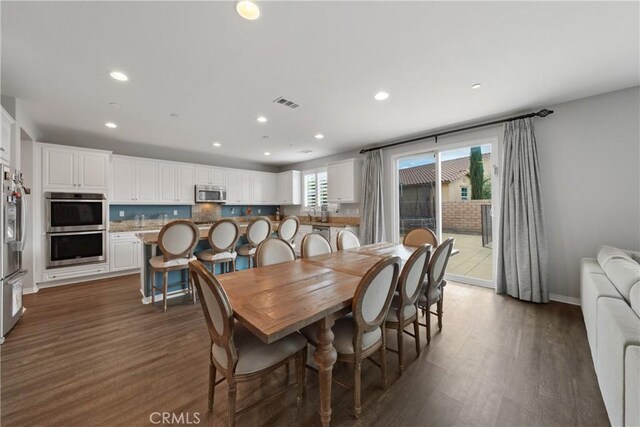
{"x": 288, "y": 229}
{"x": 360, "y": 334}
{"x": 274, "y": 250}
{"x": 346, "y": 239}
{"x": 433, "y": 289}
{"x": 404, "y": 307}
{"x": 235, "y": 352}
{"x": 258, "y": 230}
{"x": 420, "y": 236}
{"x": 314, "y": 244}
{"x": 176, "y": 241}
{"x": 223, "y": 236}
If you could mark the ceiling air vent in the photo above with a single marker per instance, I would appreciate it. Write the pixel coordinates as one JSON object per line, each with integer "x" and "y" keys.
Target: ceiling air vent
{"x": 286, "y": 103}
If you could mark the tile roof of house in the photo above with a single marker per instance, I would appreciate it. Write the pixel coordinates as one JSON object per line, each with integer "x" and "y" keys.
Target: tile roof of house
{"x": 451, "y": 170}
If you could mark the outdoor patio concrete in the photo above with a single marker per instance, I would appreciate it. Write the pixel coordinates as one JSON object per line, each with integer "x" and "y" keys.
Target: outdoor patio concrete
{"x": 474, "y": 260}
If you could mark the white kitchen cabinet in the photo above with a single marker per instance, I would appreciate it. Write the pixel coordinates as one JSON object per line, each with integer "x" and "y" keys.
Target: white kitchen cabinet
{"x": 186, "y": 184}
{"x": 303, "y": 230}
{"x": 289, "y": 188}
{"x": 344, "y": 181}
{"x": 133, "y": 181}
{"x": 6, "y": 135}
{"x": 68, "y": 168}
{"x": 211, "y": 176}
{"x": 175, "y": 184}
{"x": 264, "y": 188}
{"x": 239, "y": 187}
{"x": 124, "y": 252}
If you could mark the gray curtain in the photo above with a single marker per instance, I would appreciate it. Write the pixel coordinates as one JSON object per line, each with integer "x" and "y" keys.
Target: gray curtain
{"x": 371, "y": 214}
{"x": 522, "y": 245}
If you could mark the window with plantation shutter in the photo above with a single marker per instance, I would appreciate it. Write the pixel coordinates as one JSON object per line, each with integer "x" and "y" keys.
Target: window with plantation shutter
{"x": 315, "y": 188}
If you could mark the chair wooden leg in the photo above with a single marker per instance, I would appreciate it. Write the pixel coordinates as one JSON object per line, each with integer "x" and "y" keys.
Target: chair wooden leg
{"x": 439, "y": 308}
{"x": 300, "y": 368}
{"x": 153, "y": 287}
{"x": 192, "y": 287}
{"x": 416, "y": 332}
{"x": 428, "y": 322}
{"x": 165, "y": 285}
{"x": 383, "y": 359}
{"x": 233, "y": 265}
{"x": 357, "y": 373}
{"x": 212, "y": 384}
{"x": 400, "y": 349}
{"x": 232, "y": 402}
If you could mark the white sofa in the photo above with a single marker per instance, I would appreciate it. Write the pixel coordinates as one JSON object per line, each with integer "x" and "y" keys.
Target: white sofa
{"x": 610, "y": 299}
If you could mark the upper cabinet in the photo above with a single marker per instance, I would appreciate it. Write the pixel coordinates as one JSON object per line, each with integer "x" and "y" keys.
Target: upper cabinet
{"x": 6, "y": 136}
{"x": 210, "y": 176}
{"x": 344, "y": 181}
{"x": 176, "y": 183}
{"x": 239, "y": 187}
{"x": 289, "y": 188}
{"x": 265, "y": 189}
{"x": 134, "y": 181}
{"x": 65, "y": 168}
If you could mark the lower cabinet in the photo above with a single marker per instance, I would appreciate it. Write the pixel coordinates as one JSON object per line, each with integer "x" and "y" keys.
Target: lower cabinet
{"x": 124, "y": 252}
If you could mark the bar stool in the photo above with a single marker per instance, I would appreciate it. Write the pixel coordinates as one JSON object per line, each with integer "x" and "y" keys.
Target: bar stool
{"x": 258, "y": 231}
{"x": 223, "y": 236}
{"x": 176, "y": 240}
{"x": 288, "y": 229}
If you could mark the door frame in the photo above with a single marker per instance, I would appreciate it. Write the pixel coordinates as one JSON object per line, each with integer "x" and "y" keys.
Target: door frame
{"x": 494, "y": 141}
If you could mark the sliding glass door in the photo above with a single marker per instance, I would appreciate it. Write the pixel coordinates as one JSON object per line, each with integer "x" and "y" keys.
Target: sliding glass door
{"x": 452, "y": 193}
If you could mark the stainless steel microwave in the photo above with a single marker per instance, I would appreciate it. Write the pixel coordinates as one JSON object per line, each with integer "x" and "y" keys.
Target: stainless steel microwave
{"x": 210, "y": 194}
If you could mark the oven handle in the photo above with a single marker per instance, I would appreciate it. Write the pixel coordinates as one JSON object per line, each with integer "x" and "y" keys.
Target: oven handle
{"x": 78, "y": 232}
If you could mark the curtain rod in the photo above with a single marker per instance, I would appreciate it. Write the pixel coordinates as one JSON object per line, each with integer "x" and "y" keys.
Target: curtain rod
{"x": 542, "y": 113}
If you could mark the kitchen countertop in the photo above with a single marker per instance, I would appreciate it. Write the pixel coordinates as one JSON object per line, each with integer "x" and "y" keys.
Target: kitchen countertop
{"x": 155, "y": 225}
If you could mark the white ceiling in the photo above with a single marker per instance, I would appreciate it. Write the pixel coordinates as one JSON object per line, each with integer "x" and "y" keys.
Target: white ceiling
{"x": 219, "y": 72}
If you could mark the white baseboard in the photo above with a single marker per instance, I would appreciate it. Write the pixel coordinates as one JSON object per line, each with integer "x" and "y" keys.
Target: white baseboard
{"x": 30, "y": 290}
{"x": 173, "y": 294}
{"x": 564, "y": 299}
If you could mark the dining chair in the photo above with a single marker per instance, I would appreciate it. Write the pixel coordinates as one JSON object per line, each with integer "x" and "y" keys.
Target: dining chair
{"x": 404, "y": 306}
{"x": 176, "y": 241}
{"x": 314, "y": 244}
{"x": 346, "y": 239}
{"x": 274, "y": 250}
{"x": 223, "y": 237}
{"x": 360, "y": 334}
{"x": 420, "y": 236}
{"x": 433, "y": 287}
{"x": 288, "y": 229}
{"x": 237, "y": 353}
{"x": 258, "y": 230}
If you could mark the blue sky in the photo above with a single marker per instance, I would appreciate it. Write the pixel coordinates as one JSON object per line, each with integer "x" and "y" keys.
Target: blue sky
{"x": 429, "y": 158}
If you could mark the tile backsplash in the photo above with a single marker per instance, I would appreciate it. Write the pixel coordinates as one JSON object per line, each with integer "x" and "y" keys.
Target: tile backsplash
{"x": 149, "y": 211}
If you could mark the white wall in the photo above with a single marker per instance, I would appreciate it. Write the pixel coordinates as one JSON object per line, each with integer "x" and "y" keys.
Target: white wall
{"x": 589, "y": 152}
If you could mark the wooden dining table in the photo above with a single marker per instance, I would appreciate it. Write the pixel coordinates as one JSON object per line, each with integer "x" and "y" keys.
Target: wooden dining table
{"x": 278, "y": 300}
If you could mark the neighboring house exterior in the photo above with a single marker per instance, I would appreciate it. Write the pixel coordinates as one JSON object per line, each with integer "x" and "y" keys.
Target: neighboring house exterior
{"x": 418, "y": 194}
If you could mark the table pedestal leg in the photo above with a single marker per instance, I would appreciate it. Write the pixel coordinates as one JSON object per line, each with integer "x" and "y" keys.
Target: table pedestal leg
{"x": 325, "y": 356}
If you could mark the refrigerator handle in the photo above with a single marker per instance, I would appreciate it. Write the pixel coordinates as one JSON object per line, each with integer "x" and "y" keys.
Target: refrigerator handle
{"x": 23, "y": 222}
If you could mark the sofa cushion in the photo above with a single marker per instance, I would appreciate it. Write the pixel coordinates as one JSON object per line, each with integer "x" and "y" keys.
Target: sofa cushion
{"x": 592, "y": 287}
{"x": 634, "y": 298}
{"x": 623, "y": 273}
{"x": 590, "y": 265}
{"x": 618, "y": 328}
{"x": 635, "y": 255}
{"x": 608, "y": 253}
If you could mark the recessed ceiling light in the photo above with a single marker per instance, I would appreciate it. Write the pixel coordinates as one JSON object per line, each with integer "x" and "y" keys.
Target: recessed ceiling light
{"x": 262, "y": 119}
{"x": 476, "y": 86}
{"x": 381, "y": 96}
{"x": 217, "y": 144}
{"x": 266, "y": 153}
{"x": 111, "y": 125}
{"x": 119, "y": 75}
{"x": 248, "y": 10}
{"x": 318, "y": 136}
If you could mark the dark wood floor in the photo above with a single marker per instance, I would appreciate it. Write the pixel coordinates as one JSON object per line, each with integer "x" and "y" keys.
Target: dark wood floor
{"x": 92, "y": 354}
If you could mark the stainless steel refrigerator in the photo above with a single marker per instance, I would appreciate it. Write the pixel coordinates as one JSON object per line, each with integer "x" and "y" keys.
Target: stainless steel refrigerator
{"x": 12, "y": 241}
